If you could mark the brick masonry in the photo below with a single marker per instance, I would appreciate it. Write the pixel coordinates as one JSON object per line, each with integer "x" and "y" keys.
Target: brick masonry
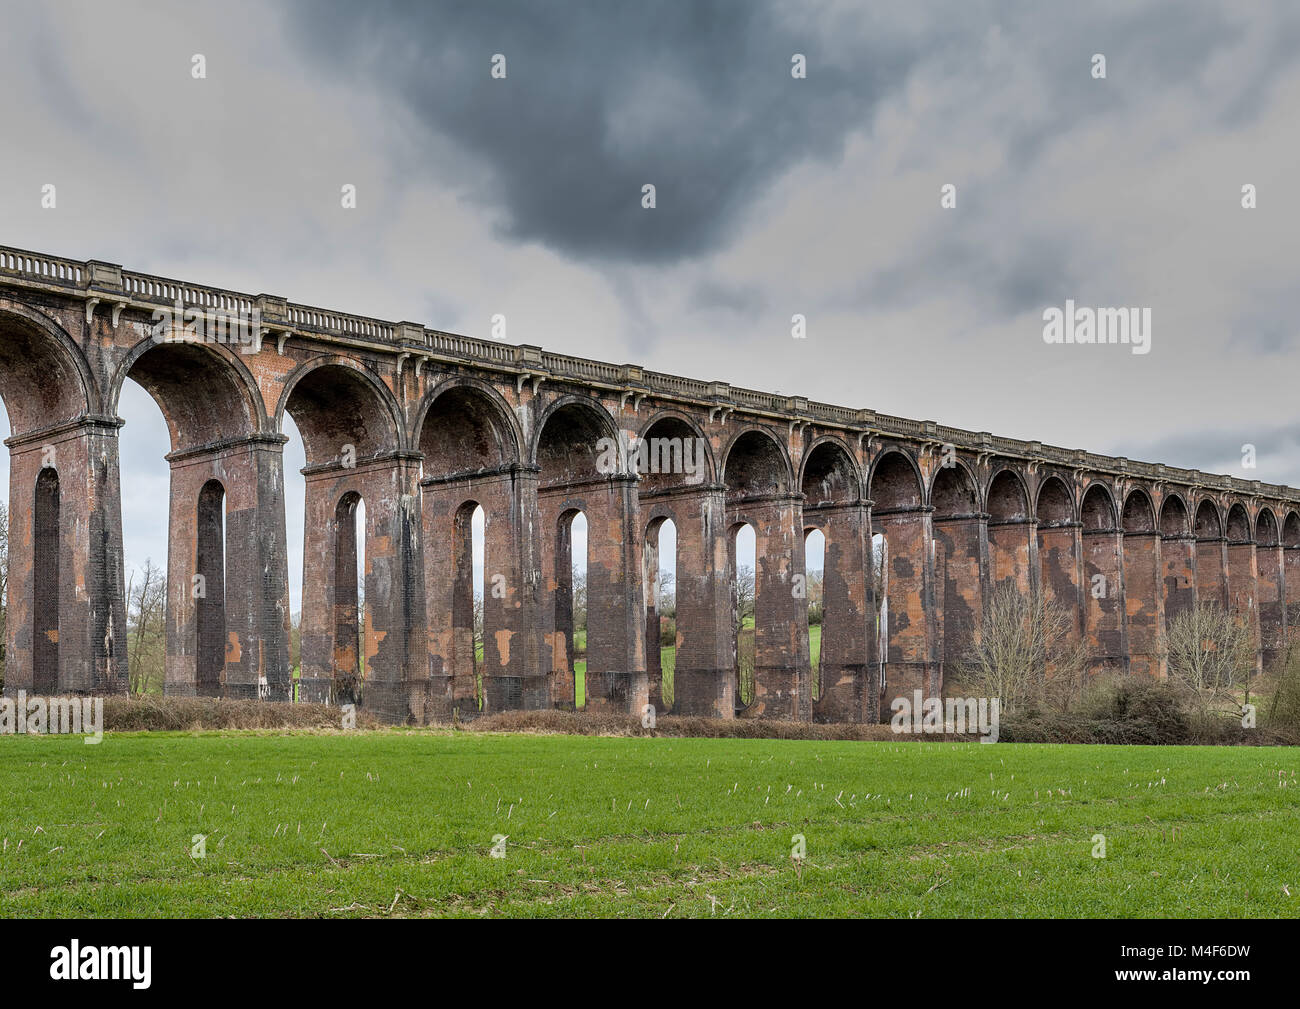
{"x": 423, "y": 426}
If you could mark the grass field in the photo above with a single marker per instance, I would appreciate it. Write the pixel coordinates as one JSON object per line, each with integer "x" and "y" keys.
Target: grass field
{"x": 402, "y": 823}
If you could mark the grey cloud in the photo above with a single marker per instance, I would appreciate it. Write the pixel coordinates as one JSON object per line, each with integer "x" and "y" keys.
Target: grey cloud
{"x": 603, "y": 97}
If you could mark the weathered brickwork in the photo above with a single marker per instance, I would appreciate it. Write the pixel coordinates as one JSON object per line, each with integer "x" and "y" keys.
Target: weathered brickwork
{"x": 423, "y": 427}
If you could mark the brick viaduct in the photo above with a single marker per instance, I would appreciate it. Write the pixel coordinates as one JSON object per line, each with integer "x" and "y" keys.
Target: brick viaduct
{"x": 423, "y": 425}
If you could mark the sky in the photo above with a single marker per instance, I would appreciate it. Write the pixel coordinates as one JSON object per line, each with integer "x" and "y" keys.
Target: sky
{"x": 775, "y": 195}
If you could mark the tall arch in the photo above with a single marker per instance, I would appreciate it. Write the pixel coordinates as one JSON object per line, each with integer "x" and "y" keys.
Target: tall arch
{"x": 758, "y": 478}
{"x": 46, "y": 597}
{"x": 1243, "y": 574}
{"x": 961, "y": 548}
{"x": 208, "y": 587}
{"x": 832, "y": 505}
{"x": 1103, "y": 580}
{"x": 1211, "y": 555}
{"x": 898, "y": 511}
{"x": 1143, "y": 591}
{"x": 224, "y": 436}
{"x": 676, "y": 484}
{"x": 1060, "y": 551}
{"x": 1011, "y": 533}
{"x": 470, "y": 453}
{"x": 577, "y": 454}
{"x": 63, "y": 455}
{"x": 355, "y": 480}
{"x": 1270, "y": 588}
{"x": 1178, "y": 557}
{"x": 1291, "y": 569}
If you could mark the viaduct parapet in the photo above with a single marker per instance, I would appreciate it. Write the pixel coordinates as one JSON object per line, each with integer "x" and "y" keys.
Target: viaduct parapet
{"x": 423, "y": 426}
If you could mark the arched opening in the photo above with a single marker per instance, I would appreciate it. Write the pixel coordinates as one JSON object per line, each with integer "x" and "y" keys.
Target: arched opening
{"x": 661, "y": 635}
{"x": 349, "y": 596}
{"x": 342, "y": 479}
{"x": 467, "y": 596}
{"x": 897, "y": 512}
{"x": 478, "y": 611}
{"x": 1139, "y": 515}
{"x": 1208, "y": 526}
{"x": 209, "y": 590}
{"x": 1098, "y": 510}
{"x": 45, "y": 578}
{"x": 814, "y": 558}
{"x": 570, "y": 601}
{"x": 741, "y": 575}
{"x": 1009, "y": 531}
{"x": 839, "y": 604}
{"x": 1143, "y": 591}
{"x": 1177, "y": 557}
{"x": 758, "y": 478}
{"x": 1238, "y": 524}
{"x": 957, "y": 560}
{"x": 1058, "y": 553}
{"x": 46, "y": 646}
{"x": 221, "y": 486}
{"x": 1211, "y": 555}
{"x": 1242, "y": 576}
{"x": 1291, "y": 531}
{"x": 1103, "y": 586}
{"x": 1270, "y": 589}
{"x": 591, "y": 654}
{"x": 1174, "y": 520}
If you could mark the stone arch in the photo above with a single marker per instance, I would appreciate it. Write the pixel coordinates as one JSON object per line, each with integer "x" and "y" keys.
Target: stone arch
{"x": 229, "y": 407}
{"x": 1055, "y": 505}
{"x": 1007, "y": 497}
{"x": 1238, "y": 524}
{"x": 569, "y": 438}
{"x": 895, "y": 482}
{"x": 45, "y": 379}
{"x": 210, "y": 617}
{"x": 952, "y": 492}
{"x": 336, "y": 402}
{"x": 1174, "y": 517}
{"x": 1097, "y": 512}
{"x": 1139, "y": 512}
{"x": 1266, "y": 528}
{"x": 671, "y": 451}
{"x": 463, "y": 418}
{"x": 47, "y": 546}
{"x": 1209, "y": 524}
{"x": 829, "y": 474}
{"x": 1291, "y": 529}
{"x": 755, "y": 464}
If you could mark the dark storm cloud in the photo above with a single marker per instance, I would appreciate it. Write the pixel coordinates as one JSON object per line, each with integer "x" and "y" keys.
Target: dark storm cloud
{"x": 600, "y": 98}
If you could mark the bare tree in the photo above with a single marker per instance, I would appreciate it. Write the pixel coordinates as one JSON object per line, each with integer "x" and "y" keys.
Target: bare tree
{"x": 745, "y": 592}
{"x": 146, "y": 621}
{"x": 1210, "y": 651}
{"x": 1026, "y": 653}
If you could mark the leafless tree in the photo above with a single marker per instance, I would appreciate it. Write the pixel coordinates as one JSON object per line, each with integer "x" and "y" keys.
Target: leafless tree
{"x": 1026, "y": 654}
{"x": 1210, "y": 652}
{"x": 146, "y": 620}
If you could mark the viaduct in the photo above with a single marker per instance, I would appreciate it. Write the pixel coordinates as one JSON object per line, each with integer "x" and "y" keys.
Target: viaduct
{"x": 424, "y": 425}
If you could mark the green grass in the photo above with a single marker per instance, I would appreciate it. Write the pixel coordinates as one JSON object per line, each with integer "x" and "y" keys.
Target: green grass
{"x": 640, "y": 826}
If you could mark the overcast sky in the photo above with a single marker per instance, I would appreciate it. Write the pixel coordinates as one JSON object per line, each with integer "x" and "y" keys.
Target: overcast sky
{"x": 775, "y": 196}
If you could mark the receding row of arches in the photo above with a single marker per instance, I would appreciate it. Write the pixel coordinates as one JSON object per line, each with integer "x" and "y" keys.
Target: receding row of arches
{"x": 485, "y": 472}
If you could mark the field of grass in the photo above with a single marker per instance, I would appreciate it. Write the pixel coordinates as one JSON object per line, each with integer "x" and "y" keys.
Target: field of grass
{"x": 402, "y": 823}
